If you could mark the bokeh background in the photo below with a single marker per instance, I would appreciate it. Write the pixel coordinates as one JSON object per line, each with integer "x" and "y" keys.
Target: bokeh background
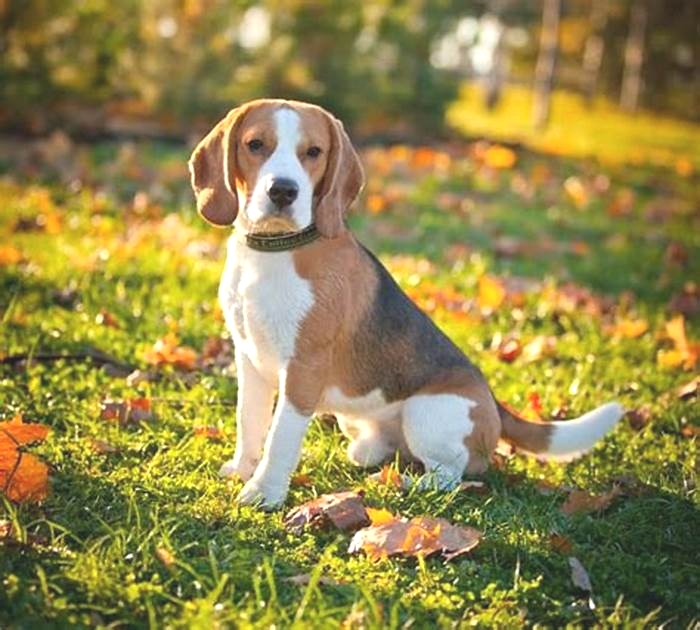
{"x": 395, "y": 69}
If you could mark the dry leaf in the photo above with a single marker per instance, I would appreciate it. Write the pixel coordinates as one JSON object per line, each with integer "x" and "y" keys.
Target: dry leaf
{"x": 301, "y": 480}
{"x": 509, "y": 350}
{"x": 499, "y": 157}
{"x": 342, "y": 509}
{"x": 389, "y": 476}
{"x": 126, "y": 412}
{"x": 629, "y": 328}
{"x": 474, "y": 487}
{"x": 560, "y": 543}
{"x": 102, "y": 447}
{"x": 690, "y": 431}
{"x": 540, "y": 346}
{"x": 580, "y": 501}
{"x": 210, "y": 432}
{"x": 579, "y": 576}
{"x": 689, "y": 390}
{"x": 379, "y": 516}
{"x": 105, "y": 318}
{"x": 685, "y": 353}
{"x": 166, "y": 558}
{"x": 9, "y": 255}
{"x": 167, "y": 351}
{"x": 639, "y": 418}
{"x": 491, "y": 293}
{"x": 422, "y": 535}
{"x": 23, "y": 476}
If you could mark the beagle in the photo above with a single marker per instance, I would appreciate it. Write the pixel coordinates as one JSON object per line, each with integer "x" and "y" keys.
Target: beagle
{"x": 318, "y": 321}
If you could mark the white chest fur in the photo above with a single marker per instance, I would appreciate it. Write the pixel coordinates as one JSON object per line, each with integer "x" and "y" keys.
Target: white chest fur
{"x": 264, "y": 301}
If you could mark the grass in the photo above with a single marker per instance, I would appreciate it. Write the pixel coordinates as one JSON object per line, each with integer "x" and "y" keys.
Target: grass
{"x": 92, "y": 553}
{"x": 602, "y": 131}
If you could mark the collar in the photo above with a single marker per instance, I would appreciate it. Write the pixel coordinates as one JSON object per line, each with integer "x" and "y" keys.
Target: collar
{"x": 282, "y": 241}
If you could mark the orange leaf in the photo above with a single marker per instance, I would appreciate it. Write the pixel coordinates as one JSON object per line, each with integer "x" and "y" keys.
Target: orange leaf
{"x": 490, "y": 293}
{"x": 379, "y": 516}
{"x": 629, "y": 328}
{"x": 210, "y": 432}
{"x": 9, "y": 255}
{"x": 499, "y": 157}
{"x": 166, "y": 351}
{"x": 685, "y": 353}
{"x": 301, "y": 480}
{"x": 580, "y": 501}
{"x": 23, "y": 477}
{"x": 389, "y": 477}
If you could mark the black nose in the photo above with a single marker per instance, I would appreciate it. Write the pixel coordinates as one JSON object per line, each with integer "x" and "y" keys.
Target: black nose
{"x": 282, "y": 191}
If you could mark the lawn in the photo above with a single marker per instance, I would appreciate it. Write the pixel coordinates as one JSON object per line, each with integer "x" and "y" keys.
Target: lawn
{"x": 593, "y": 261}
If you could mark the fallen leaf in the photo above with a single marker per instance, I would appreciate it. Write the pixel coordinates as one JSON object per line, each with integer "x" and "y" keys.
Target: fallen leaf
{"x": 210, "y": 432}
{"x": 420, "y": 536}
{"x": 167, "y": 351}
{"x": 639, "y": 418}
{"x": 301, "y": 480}
{"x": 533, "y": 409}
{"x": 509, "y": 350}
{"x": 579, "y": 576}
{"x": 379, "y": 516}
{"x": 166, "y": 558}
{"x": 9, "y": 255}
{"x": 474, "y": 487}
{"x": 690, "y": 431}
{"x": 540, "y": 346}
{"x": 580, "y": 501}
{"x": 23, "y": 476}
{"x": 102, "y": 447}
{"x": 689, "y": 390}
{"x": 105, "y": 318}
{"x": 629, "y": 328}
{"x": 576, "y": 190}
{"x": 499, "y": 157}
{"x": 490, "y": 293}
{"x": 685, "y": 353}
{"x": 344, "y": 510}
{"x": 560, "y": 543}
{"x": 389, "y": 476}
{"x": 126, "y": 412}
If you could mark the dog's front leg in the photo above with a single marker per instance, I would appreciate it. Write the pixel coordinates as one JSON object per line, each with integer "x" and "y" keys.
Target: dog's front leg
{"x": 253, "y": 417}
{"x": 270, "y": 483}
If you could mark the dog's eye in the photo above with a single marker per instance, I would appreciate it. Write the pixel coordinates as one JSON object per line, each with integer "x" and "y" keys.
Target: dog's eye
{"x": 313, "y": 152}
{"x": 255, "y": 144}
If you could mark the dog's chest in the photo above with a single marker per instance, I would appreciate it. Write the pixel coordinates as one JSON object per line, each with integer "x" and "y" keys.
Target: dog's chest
{"x": 264, "y": 302}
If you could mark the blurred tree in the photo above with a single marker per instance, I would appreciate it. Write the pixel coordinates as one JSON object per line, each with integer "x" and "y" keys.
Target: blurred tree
{"x": 546, "y": 62}
{"x": 634, "y": 57}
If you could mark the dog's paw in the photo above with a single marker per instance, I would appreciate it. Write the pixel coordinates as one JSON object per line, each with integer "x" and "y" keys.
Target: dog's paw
{"x": 261, "y": 495}
{"x": 236, "y": 468}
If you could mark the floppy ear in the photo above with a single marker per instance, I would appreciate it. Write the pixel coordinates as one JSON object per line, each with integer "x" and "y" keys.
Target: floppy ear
{"x": 213, "y": 171}
{"x": 342, "y": 182}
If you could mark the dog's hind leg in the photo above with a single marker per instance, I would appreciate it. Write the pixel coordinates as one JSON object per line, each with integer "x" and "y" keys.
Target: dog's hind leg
{"x": 450, "y": 433}
{"x": 371, "y": 442}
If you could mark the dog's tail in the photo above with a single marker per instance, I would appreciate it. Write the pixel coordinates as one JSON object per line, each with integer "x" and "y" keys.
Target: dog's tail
{"x": 561, "y": 440}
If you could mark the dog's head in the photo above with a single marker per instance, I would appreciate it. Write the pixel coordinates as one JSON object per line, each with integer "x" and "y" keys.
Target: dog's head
{"x": 283, "y": 164}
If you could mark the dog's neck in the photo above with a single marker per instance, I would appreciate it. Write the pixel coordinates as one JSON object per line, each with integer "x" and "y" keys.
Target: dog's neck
{"x": 280, "y": 241}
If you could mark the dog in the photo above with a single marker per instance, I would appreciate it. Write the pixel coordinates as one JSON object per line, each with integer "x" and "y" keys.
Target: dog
{"x": 318, "y": 321}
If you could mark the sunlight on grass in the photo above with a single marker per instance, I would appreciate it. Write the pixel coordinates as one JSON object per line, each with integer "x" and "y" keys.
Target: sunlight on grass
{"x": 603, "y": 131}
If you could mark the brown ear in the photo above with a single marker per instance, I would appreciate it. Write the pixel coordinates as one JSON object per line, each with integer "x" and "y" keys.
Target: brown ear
{"x": 212, "y": 171}
{"x": 342, "y": 182}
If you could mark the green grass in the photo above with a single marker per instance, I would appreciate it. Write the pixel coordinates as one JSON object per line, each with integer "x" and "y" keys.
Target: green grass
{"x": 603, "y": 131}
{"x": 87, "y": 555}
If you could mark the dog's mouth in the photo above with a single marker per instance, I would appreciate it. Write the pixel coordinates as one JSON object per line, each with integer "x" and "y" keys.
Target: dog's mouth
{"x": 274, "y": 225}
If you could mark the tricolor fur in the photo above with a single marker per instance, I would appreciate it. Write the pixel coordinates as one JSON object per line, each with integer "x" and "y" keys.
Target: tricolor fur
{"x": 326, "y": 328}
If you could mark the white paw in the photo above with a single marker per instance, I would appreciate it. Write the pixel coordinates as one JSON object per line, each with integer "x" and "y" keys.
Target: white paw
{"x": 237, "y": 468}
{"x": 267, "y": 497}
{"x": 438, "y": 480}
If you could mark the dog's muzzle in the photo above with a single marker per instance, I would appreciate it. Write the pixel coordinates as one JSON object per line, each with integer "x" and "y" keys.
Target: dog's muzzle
{"x": 282, "y": 192}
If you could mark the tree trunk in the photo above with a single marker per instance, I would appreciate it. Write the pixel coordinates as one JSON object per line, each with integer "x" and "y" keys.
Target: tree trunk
{"x": 634, "y": 57}
{"x": 546, "y": 61}
{"x": 593, "y": 51}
